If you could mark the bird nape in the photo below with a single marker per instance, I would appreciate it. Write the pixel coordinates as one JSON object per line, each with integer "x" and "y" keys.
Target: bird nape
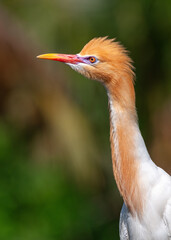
{"x": 145, "y": 188}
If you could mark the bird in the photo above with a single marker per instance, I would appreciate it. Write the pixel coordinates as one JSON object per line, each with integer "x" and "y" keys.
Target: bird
{"x": 144, "y": 187}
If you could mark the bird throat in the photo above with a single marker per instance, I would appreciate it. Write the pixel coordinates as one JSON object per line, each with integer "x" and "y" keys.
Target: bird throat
{"x": 123, "y": 128}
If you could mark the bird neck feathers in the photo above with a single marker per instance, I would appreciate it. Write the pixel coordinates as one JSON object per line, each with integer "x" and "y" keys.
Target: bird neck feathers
{"x": 124, "y": 132}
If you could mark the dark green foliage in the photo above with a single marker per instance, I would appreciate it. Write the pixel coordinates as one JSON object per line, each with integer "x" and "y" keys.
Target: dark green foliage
{"x": 39, "y": 201}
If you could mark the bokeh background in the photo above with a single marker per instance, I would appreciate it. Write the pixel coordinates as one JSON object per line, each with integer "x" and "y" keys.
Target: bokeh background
{"x": 56, "y": 179}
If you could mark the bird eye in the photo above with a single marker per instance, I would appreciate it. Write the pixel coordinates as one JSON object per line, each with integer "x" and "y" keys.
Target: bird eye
{"x": 92, "y": 59}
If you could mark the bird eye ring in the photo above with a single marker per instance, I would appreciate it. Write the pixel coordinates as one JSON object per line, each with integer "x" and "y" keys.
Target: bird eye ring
{"x": 92, "y": 59}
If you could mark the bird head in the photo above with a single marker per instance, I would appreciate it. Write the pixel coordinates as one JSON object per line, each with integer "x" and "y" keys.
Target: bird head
{"x": 100, "y": 59}
{"x": 107, "y": 61}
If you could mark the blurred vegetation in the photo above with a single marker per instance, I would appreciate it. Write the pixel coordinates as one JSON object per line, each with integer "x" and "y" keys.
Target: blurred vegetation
{"x": 56, "y": 179}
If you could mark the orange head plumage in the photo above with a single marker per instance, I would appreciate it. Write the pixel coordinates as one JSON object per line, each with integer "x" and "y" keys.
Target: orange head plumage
{"x": 104, "y": 60}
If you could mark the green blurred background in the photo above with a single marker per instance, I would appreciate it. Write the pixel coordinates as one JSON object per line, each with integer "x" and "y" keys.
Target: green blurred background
{"x": 56, "y": 180}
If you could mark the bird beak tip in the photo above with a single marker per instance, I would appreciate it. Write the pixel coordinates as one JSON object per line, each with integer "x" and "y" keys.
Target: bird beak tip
{"x": 46, "y": 56}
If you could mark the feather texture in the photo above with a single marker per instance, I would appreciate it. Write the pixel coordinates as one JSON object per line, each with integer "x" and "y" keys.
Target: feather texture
{"x": 145, "y": 188}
